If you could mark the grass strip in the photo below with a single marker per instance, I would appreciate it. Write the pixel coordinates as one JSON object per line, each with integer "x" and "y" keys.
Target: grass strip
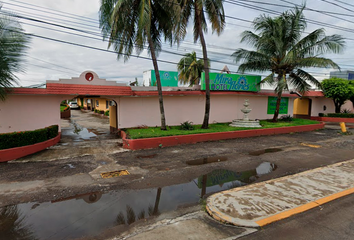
{"x": 151, "y": 132}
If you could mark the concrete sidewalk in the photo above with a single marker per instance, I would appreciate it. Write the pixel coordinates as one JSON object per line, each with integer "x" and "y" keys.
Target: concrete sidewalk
{"x": 266, "y": 202}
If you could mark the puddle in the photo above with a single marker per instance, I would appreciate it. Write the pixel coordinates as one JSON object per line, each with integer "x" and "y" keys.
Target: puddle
{"x": 89, "y": 214}
{"x": 202, "y": 161}
{"x": 263, "y": 151}
{"x": 77, "y": 132}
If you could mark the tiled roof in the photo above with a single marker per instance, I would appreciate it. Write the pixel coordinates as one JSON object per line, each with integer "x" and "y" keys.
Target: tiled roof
{"x": 75, "y": 89}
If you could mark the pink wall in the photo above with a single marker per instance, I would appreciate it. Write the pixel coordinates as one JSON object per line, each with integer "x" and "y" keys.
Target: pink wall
{"x": 135, "y": 111}
{"x": 29, "y": 112}
{"x": 318, "y": 103}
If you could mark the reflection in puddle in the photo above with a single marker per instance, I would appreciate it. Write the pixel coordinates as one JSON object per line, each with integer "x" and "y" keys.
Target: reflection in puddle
{"x": 77, "y": 132}
{"x": 263, "y": 151}
{"x": 89, "y": 214}
{"x": 206, "y": 160}
{"x": 13, "y": 224}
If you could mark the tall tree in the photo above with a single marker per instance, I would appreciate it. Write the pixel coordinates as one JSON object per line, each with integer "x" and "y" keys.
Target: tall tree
{"x": 280, "y": 49}
{"x": 198, "y": 10}
{"x": 13, "y": 45}
{"x": 190, "y": 69}
{"x": 130, "y": 24}
{"x": 339, "y": 90}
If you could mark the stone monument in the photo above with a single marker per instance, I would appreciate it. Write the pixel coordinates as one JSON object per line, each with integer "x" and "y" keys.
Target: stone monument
{"x": 245, "y": 122}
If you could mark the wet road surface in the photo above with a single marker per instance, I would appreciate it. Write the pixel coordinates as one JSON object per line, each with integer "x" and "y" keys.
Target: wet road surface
{"x": 63, "y": 187}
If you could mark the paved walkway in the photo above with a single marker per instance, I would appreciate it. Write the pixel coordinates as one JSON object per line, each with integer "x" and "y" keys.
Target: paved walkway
{"x": 266, "y": 202}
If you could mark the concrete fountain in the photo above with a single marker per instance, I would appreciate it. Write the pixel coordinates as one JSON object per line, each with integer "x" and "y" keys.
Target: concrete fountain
{"x": 245, "y": 122}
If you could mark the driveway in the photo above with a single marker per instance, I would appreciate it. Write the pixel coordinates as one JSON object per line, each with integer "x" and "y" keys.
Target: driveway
{"x": 83, "y": 134}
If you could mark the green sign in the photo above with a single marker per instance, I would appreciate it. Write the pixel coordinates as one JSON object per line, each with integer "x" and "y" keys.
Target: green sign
{"x": 168, "y": 79}
{"x": 232, "y": 82}
{"x": 272, "y": 102}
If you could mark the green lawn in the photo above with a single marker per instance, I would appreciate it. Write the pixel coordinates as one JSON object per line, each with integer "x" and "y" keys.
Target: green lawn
{"x": 135, "y": 133}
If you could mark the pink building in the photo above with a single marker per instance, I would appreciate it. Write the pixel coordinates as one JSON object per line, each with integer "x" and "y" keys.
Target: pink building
{"x": 34, "y": 108}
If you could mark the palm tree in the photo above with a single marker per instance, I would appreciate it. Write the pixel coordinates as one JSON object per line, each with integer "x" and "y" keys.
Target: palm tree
{"x": 197, "y": 8}
{"x": 190, "y": 69}
{"x": 130, "y": 24}
{"x": 281, "y": 50}
{"x": 13, "y": 45}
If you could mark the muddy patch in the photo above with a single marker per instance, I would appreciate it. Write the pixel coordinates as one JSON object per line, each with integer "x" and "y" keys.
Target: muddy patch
{"x": 206, "y": 160}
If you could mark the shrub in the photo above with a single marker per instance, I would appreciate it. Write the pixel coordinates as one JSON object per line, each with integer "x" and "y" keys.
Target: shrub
{"x": 101, "y": 112}
{"x": 286, "y": 118}
{"x": 106, "y": 113}
{"x": 341, "y": 115}
{"x": 321, "y": 115}
{"x": 19, "y": 139}
{"x": 187, "y": 126}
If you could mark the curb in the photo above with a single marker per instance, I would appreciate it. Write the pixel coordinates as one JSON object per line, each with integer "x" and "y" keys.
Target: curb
{"x": 282, "y": 215}
{"x": 18, "y": 152}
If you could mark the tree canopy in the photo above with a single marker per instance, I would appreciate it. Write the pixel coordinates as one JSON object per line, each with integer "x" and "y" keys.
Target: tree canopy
{"x": 13, "y": 46}
{"x": 339, "y": 90}
{"x": 190, "y": 69}
{"x": 281, "y": 50}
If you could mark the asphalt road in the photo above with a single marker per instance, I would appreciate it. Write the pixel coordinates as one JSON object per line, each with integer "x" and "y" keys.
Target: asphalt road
{"x": 332, "y": 221}
{"x": 73, "y": 169}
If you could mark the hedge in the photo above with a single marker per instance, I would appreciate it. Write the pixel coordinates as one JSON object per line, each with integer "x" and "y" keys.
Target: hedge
{"x": 340, "y": 115}
{"x": 19, "y": 139}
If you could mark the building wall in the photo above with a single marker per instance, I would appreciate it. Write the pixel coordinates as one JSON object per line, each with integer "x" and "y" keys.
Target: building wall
{"x": 29, "y": 112}
{"x": 136, "y": 111}
{"x": 102, "y": 104}
{"x": 321, "y": 105}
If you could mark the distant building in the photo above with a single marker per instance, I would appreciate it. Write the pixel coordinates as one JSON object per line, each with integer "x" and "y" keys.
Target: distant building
{"x": 349, "y": 75}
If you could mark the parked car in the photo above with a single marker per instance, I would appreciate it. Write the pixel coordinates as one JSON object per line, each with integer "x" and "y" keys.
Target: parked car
{"x": 73, "y": 105}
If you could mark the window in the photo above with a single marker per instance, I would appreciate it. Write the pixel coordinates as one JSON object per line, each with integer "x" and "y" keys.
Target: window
{"x": 97, "y": 103}
{"x": 107, "y": 104}
{"x": 86, "y": 101}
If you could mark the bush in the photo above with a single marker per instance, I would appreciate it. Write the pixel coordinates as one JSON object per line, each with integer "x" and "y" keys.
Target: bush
{"x": 341, "y": 115}
{"x": 286, "y": 118}
{"x": 19, "y": 139}
{"x": 101, "y": 111}
{"x": 187, "y": 126}
{"x": 321, "y": 115}
{"x": 106, "y": 113}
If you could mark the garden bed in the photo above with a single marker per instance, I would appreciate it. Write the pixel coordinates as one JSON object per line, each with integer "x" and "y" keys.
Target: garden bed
{"x": 154, "y": 137}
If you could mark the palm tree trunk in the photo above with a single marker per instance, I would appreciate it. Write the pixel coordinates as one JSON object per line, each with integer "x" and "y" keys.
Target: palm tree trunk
{"x": 277, "y": 108}
{"x": 158, "y": 83}
{"x": 157, "y": 201}
{"x": 206, "y": 67}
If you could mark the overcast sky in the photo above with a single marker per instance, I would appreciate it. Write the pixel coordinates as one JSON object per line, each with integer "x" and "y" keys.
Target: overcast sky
{"x": 50, "y": 60}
